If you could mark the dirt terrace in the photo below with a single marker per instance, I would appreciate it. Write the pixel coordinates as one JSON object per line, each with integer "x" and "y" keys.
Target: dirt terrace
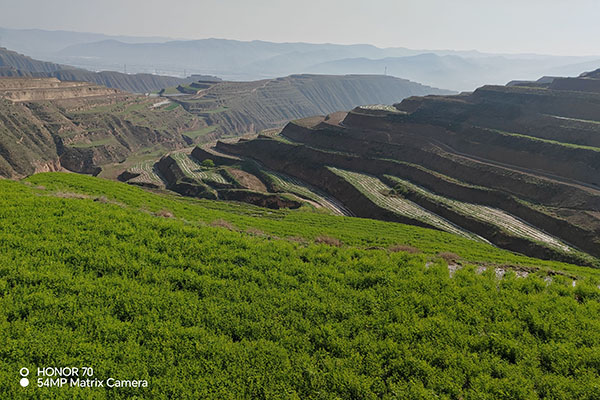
{"x": 40, "y": 89}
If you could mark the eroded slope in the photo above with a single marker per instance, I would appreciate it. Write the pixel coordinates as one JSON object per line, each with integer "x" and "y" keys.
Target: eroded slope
{"x": 47, "y": 124}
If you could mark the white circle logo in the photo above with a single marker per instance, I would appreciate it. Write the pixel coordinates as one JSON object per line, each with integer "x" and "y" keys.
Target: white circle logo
{"x": 24, "y": 382}
{"x": 24, "y": 371}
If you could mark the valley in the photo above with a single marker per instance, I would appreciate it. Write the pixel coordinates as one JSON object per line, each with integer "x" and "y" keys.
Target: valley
{"x": 229, "y": 217}
{"x": 511, "y": 165}
{"x": 237, "y": 108}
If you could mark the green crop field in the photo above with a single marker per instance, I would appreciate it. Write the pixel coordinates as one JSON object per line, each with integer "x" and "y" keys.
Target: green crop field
{"x": 294, "y": 186}
{"x": 192, "y": 168}
{"x": 99, "y": 142}
{"x": 541, "y": 140}
{"x": 171, "y": 107}
{"x": 201, "y": 132}
{"x": 140, "y": 285}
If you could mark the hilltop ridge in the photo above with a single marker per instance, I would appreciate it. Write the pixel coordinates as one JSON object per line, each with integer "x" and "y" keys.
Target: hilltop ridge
{"x": 36, "y": 89}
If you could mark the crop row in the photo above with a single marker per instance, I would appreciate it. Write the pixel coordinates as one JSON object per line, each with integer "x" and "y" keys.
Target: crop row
{"x": 147, "y": 173}
{"x": 490, "y": 215}
{"x": 194, "y": 169}
{"x": 295, "y": 186}
{"x": 378, "y": 193}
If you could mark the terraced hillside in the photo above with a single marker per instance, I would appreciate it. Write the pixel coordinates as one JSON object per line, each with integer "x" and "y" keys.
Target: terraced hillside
{"x": 33, "y": 89}
{"x": 238, "y": 301}
{"x": 47, "y": 125}
{"x": 517, "y": 166}
{"x": 183, "y": 173}
{"x": 247, "y": 107}
{"x": 93, "y": 129}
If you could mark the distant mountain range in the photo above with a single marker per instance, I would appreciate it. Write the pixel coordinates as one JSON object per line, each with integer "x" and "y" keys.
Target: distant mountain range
{"x": 254, "y": 60}
{"x": 39, "y": 43}
{"x": 235, "y": 60}
{"x": 455, "y": 72}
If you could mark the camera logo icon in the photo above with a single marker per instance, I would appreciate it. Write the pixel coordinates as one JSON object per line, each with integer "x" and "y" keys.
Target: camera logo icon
{"x": 24, "y": 372}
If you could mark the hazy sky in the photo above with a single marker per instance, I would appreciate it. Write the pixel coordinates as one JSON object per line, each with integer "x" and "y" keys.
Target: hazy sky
{"x": 569, "y": 27}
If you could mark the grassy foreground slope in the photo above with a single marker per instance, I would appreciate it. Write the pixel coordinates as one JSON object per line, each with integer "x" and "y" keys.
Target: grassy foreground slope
{"x": 140, "y": 286}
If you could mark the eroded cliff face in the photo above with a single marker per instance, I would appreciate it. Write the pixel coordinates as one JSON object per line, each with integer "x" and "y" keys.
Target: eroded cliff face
{"x": 27, "y": 89}
{"x": 516, "y": 165}
{"x": 47, "y": 124}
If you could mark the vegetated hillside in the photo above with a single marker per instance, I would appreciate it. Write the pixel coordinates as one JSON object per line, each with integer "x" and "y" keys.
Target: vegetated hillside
{"x": 46, "y": 124}
{"x": 13, "y": 64}
{"x": 49, "y": 124}
{"x": 248, "y": 107}
{"x": 138, "y": 286}
{"x": 516, "y": 166}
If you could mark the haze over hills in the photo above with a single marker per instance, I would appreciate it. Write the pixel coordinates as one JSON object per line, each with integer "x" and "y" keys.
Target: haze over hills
{"x": 13, "y": 64}
{"x": 39, "y": 42}
{"x": 231, "y": 59}
{"x": 255, "y": 60}
{"x": 455, "y": 72}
